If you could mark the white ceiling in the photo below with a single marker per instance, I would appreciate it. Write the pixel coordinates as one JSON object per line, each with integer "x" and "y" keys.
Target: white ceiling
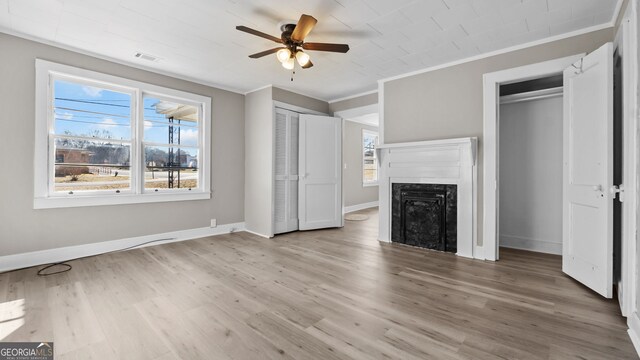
{"x": 196, "y": 39}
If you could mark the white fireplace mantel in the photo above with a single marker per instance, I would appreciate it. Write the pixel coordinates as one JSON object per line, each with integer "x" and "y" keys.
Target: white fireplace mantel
{"x": 448, "y": 161}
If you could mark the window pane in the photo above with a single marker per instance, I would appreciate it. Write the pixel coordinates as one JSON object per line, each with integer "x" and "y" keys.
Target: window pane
{"x": 369, "y": 145}
{"x": 170, "y": 122}
{"x": 82, "y": 165}
{"x": 170, "y": 167}
{"x": 370, "y": 170}
{"x": 370, "y": 164}
{"x": 82, "y": 110}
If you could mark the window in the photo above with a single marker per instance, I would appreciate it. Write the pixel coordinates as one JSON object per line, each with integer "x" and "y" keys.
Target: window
{"x": 104, "y": 140}
{"x": 369, "y": 158}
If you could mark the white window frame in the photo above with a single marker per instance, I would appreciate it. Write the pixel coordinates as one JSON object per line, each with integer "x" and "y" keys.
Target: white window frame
{"x": 45, "y": 198}
{"x": 366, "y": 132}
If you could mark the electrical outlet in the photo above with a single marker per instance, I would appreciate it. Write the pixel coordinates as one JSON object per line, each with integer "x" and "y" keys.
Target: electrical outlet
{"x": 214, "y": 223}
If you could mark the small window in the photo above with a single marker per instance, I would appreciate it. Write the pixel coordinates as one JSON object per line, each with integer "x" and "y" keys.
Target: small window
{"x": 369, "y": 158}
{"x": 103, "y": 140}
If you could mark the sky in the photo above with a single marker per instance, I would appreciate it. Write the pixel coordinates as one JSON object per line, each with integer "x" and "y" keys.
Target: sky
{"x": 83, "y": 110}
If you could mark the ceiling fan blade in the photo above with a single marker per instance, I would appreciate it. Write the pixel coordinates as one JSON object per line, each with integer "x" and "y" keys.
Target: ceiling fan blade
{"x": 309, "y": 64}
{"x": 258, "y": 33}
{"x": 341, "y": 48}
{"x": 265, "y": 53}
{"x": 303, "y": 28}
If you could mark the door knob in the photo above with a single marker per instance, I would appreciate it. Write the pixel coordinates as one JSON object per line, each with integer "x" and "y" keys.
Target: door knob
{"x": 614, "y": 189}
{"x": 597, "y": 187}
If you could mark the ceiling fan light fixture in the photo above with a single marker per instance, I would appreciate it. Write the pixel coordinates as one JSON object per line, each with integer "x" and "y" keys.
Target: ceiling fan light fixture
{"x": 302, "y": 57}
{"x": 283, "y": 55}
{"x": 292, "y": 41}
{"x": 288, "y": 64}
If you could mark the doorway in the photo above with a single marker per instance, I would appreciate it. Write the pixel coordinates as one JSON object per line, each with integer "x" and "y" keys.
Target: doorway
{"x": 530, "y": 165}
{"x": 523, "y": 158}
{"x": 360, "y": 162}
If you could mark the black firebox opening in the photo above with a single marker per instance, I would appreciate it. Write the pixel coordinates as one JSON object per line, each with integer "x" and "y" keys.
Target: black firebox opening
{"x": 425, "y": 215}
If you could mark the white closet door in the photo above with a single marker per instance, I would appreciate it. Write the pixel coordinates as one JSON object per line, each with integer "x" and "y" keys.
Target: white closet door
{"x": 286, "y": 171}
{"x": 320, "y": 192}
{"x": 587, "y": 252}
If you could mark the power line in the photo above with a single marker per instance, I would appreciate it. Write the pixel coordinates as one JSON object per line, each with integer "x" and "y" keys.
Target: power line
{"x": 100, "y": 99}
{"x": 90, "y": 122}
{"x": 92, "y": 112}
{"x": 92, "y": 102}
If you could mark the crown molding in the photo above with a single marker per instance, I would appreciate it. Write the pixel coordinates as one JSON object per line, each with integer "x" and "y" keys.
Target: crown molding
{"x": 134, "y": 65}
{"x": 500, "y": 51}
{"x": 257, "y": 89}
{"x": 353, "y": 96}
{"x": 616, "y": 13}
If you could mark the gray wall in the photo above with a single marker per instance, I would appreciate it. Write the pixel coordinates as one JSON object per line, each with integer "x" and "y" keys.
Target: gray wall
{"x": 354, "y": 192}
{"x": 355, "y": 102}
{"x": 306, "y": 102}
{"x": 23, "y": 229}
{"x": 259, "y": 161}
{"x": 531, "y": 175}
{"x": 447, "y": 103}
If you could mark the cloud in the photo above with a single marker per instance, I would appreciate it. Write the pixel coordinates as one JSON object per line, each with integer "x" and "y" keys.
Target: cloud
{"x": 92, "y": 91}
{"x": 189, "y": 136}
{"x": 66, "y": 116}
{"x": 148, "y": 124}
{"x": 108, "y": 123}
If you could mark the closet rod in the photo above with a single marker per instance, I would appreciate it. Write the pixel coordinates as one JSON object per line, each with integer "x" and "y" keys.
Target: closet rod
{"x": 531, "y": 95}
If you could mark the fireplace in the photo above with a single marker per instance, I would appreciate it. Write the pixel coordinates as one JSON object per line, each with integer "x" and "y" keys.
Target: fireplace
{"x": 425, "y": 215}
{"x": 427, "y": 194}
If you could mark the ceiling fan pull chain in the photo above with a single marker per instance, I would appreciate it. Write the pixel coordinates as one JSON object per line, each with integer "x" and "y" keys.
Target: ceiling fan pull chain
{"x": 292, "y": 74}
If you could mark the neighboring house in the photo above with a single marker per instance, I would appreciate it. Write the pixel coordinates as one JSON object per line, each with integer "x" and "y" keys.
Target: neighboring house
{"x": 72, "y": 156}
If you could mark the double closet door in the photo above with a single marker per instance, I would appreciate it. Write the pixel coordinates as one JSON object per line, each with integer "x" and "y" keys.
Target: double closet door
{"x": 307, "y": 172}
{"x": 286, "y": 171}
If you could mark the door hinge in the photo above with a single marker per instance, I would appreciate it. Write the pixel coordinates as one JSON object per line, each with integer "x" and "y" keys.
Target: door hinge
{"x": 617, "y": 189}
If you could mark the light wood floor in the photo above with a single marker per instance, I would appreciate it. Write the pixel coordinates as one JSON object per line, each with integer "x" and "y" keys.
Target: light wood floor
{"x": 330, "y": 294}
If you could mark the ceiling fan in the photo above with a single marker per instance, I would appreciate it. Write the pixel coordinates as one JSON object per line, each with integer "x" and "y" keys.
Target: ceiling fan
{"x": 292, "y": 40}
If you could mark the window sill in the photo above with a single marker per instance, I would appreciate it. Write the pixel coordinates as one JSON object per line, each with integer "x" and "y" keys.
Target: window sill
{"x": 369, "y": 184}
{"x": 81, "y": 201}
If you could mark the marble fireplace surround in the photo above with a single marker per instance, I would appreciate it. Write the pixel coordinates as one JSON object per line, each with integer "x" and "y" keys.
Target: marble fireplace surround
{"x": 448, "y": 161}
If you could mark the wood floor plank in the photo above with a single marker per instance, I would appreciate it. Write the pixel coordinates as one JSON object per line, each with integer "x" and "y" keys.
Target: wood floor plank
{"x": 98, "y": 351}
{"x": 75, "y": 325}
{"x": 326, "y": 294}
{"x": 183, "y": 338}
{"x": 292, "y": 339}
{"x": 236, "y": 338}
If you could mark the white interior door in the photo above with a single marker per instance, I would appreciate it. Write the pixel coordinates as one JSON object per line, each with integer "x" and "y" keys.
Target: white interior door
{"x": 587, "y": 251}
{"x": 320, "y": 184}
{"x": 286, "y": 171}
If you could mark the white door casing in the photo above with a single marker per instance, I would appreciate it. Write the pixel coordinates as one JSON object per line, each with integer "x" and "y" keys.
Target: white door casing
{"x": 491, "y": 97}
{"x": 587, "y": 251}
{"x": 320, "y": 172}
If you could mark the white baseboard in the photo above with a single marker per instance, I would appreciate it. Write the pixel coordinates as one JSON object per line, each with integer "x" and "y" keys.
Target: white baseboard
{"x": 523, "y": 243}
{"x": 633, "y": 321}
{"x": 24, "y": 260}
{"x": 357, "y": 207}
{"x": 256, "y": 233}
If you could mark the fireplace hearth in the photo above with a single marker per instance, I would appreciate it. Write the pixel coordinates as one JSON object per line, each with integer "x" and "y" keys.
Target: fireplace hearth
{"x": 425, "y": 215}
